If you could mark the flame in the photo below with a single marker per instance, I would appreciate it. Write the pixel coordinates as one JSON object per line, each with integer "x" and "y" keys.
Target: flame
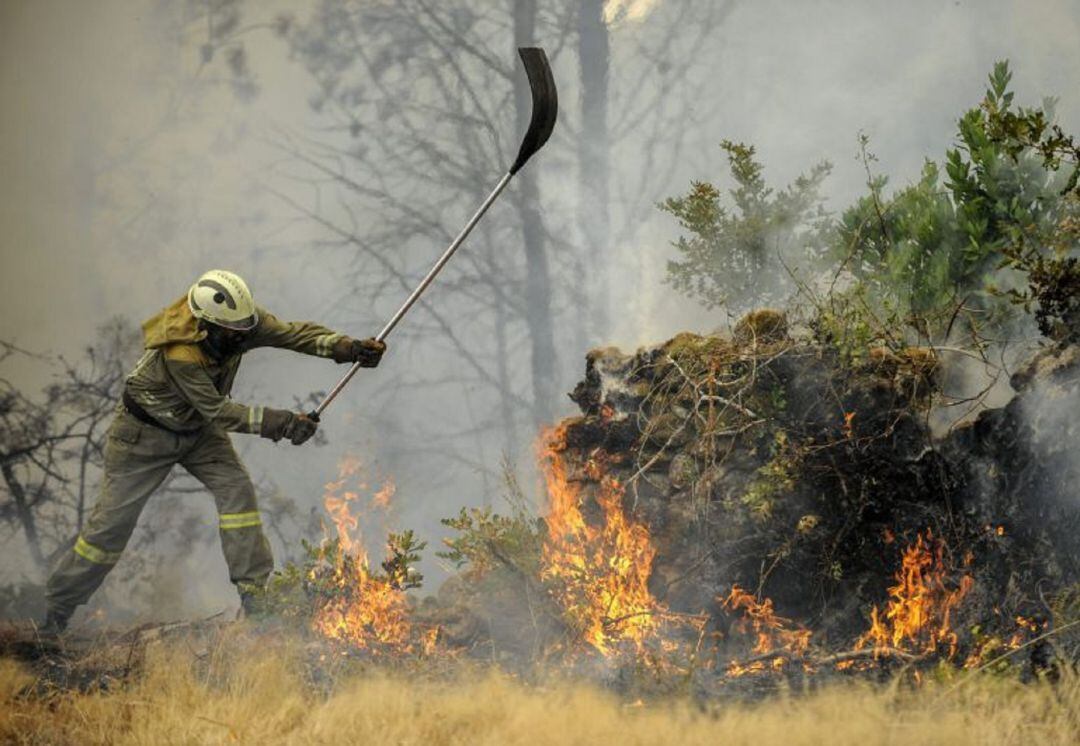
{"x": 336, "y": 499}
{"x": 599, "y": 573}
{"x": 918, "y": 615}
{"x": 771, "y": 632}
{"x": 367, "y": 611}
{"x": 381, "y": 498}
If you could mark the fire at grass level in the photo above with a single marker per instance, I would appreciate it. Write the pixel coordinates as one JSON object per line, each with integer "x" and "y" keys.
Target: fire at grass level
{"x": 360, "y": 608}
{"x": 597, "y": 573}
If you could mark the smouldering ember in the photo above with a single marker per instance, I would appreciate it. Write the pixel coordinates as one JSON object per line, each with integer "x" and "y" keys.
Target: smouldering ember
{"x": 987, "y": 648}
{"x": 849, "y": 425}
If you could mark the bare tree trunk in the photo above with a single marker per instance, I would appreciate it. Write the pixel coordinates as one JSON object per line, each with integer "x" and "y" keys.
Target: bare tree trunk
{"x": 502, "y": 362}
{"x": 26, "y": 516}
{"x": 594, "y": 168}
{"x": 538, "y": 273}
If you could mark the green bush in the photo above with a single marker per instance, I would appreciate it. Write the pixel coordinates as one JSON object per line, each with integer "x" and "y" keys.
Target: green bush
{"x": 994, "y": 228}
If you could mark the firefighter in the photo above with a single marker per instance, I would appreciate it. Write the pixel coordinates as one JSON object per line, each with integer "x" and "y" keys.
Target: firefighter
{"x": 175, "y": 409}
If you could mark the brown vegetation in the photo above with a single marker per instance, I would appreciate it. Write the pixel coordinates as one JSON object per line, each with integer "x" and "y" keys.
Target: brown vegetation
{"x": 264, "y": 691}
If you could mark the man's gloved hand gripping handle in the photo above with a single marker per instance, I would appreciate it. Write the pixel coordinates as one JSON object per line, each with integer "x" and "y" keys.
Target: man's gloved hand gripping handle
{"x": 281, "y": 423}
{"x": 367, "y": 352}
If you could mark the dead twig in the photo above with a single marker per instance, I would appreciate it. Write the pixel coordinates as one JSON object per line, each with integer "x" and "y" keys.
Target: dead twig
{"x": 830, "y": 660}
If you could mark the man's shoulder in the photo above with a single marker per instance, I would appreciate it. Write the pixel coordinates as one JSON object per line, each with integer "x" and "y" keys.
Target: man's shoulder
{"x": 186, "y": 352}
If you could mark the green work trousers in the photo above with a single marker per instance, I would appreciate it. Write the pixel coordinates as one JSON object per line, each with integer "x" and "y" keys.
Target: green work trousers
{"x": 138, "y": 458}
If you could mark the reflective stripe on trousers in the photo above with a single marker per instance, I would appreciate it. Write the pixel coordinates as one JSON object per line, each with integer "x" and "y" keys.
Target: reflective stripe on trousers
{"x": 231, "y": 521}
{"x": 94, "y": 554}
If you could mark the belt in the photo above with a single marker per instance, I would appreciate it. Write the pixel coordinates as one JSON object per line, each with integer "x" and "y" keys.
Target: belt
{"x": 143, "y": 416}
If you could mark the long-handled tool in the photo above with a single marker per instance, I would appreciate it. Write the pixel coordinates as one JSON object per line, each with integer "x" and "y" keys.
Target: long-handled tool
{"x": 545, "y": 107}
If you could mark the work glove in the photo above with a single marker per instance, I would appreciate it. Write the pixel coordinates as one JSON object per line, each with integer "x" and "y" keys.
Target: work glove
{"x": 367, "y": 352}
{"x": 281, "y": 423}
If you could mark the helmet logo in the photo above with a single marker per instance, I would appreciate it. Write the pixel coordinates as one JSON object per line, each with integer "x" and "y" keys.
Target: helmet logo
{"x": 222, "y": 295}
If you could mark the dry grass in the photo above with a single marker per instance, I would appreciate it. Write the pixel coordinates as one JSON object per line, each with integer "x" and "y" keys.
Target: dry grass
{"x": 263, "y": 699}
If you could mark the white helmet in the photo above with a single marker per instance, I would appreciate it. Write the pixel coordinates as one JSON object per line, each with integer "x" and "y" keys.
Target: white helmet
{"x": 222, "y": 298}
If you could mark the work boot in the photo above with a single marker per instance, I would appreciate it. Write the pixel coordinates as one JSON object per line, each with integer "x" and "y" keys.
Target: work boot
{"x": 252, "y": 605}
{"x": 54, "y": 625}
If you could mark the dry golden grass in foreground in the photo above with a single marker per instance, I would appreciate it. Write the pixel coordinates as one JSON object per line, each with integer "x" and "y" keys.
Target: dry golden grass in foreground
{"x": 264, "y": 699}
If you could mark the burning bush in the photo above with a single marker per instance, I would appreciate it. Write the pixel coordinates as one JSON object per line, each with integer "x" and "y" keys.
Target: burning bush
{"x": 709, "y": 465}
{"x": 337, "y": 592}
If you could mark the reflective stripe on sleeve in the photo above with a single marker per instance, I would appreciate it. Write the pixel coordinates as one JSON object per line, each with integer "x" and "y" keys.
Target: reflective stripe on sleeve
{"x": 98, "y": 556}
{"x": 230, "y": 521}
{"x": 255, "y": 418}
{"x": 324, "y": 344}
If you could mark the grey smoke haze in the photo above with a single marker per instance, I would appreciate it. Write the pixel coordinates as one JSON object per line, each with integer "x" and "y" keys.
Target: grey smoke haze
{"x": 129, "y": 167}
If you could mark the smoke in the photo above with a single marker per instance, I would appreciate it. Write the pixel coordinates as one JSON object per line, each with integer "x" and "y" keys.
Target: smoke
{"x": 1049, "y": 410}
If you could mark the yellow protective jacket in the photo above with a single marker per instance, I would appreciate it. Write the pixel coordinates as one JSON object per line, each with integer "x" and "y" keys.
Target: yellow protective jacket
{"x": 178, "y": 384}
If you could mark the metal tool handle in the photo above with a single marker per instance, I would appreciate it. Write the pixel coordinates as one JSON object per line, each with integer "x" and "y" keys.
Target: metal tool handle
{"x": 415, "y": 296}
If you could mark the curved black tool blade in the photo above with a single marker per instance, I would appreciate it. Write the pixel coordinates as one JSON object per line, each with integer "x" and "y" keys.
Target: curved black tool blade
{"x": 545, "y": 104}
